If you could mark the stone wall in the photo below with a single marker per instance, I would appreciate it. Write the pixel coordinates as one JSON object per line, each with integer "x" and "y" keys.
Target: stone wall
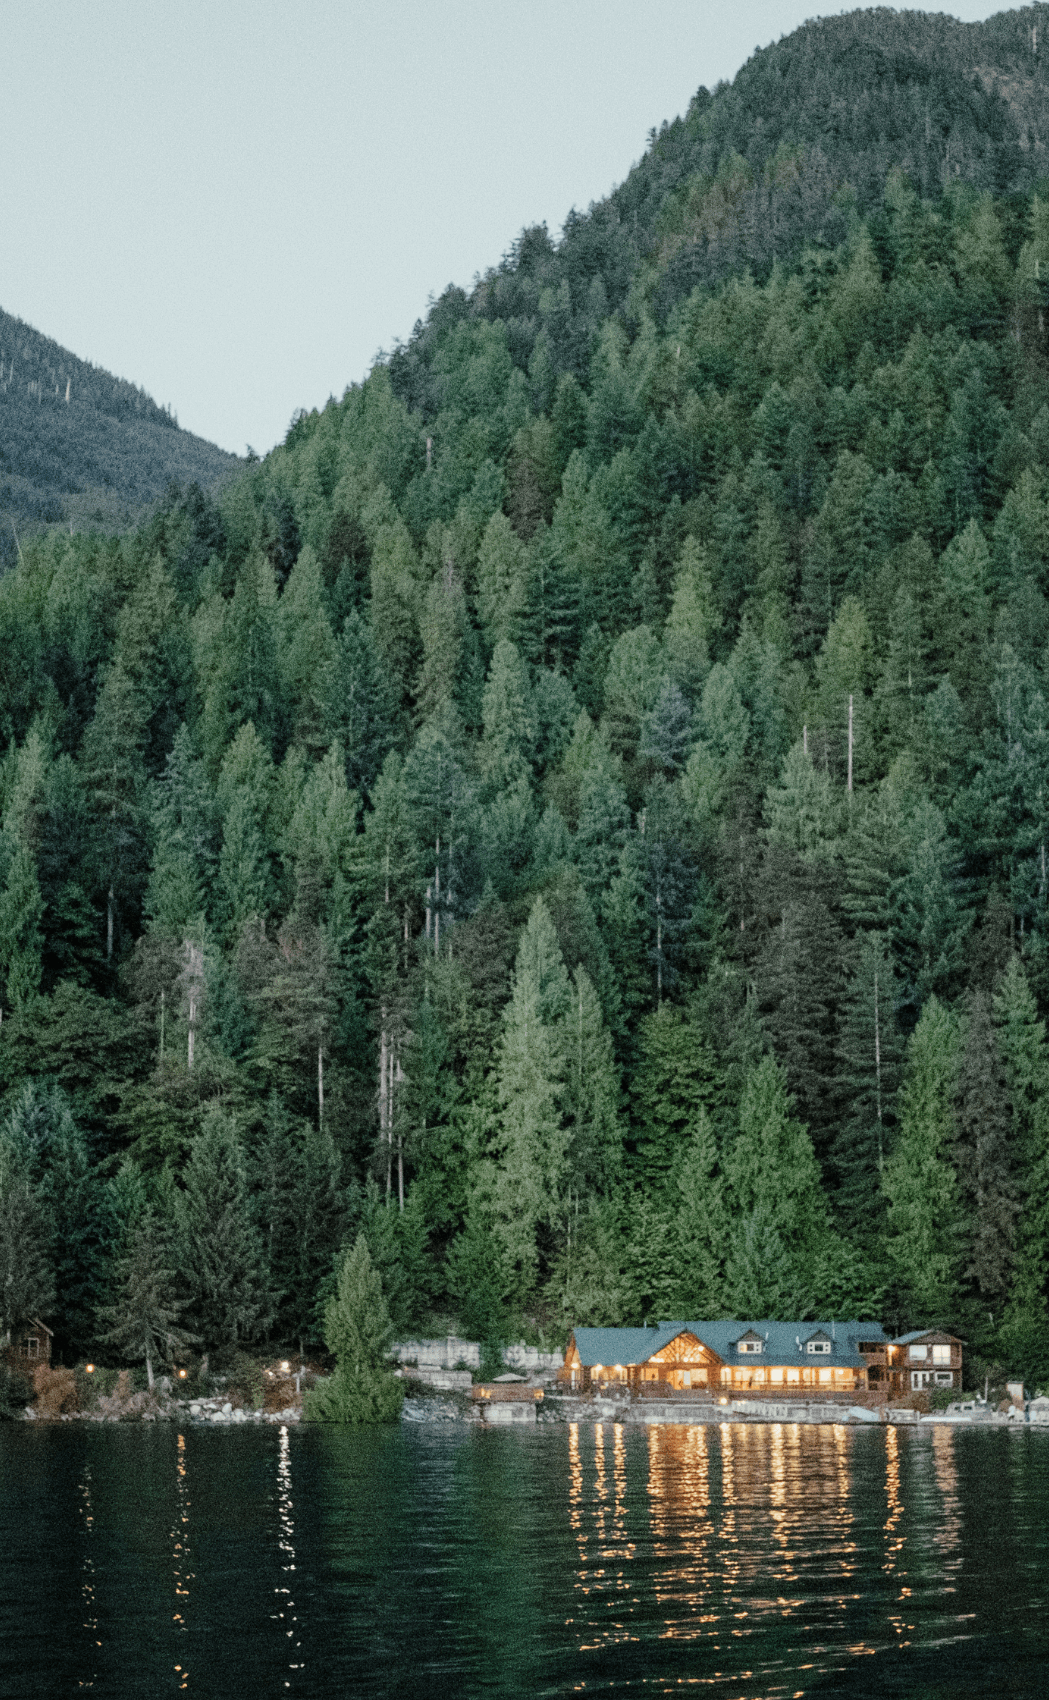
{"x": 449, "y": 1351}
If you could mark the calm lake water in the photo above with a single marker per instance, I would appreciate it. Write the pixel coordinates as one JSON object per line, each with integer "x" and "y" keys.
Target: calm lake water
{"x": 745, "y": 1561}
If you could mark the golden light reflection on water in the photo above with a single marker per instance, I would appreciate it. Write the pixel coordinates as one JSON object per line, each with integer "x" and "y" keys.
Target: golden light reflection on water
{"x": 86, "y": 1513}
{"x": 598, "y": 1519}
{"x": 948, "y": 1535}
{"x": 286, "y": 1543}
{"x": 180, "y": 1551}
{"x": 895, "y": 1539}
{"x": 748, "y": 1524}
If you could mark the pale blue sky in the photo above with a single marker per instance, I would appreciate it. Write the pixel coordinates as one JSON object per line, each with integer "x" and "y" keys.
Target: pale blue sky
{"x": 236, "y": 204}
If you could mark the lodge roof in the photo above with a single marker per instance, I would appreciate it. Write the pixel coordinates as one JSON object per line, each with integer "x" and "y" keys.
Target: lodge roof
{"x": 782, "y": 1342}
{"x": 785, "y": 1342}
{"x": 611, "y": 1346}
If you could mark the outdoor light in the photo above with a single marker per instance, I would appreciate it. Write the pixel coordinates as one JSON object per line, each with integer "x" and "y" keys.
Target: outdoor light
{"x": 285, "y": 1366}
{"x": 90, "y": 1368}
{"x": 182, "y": 1375}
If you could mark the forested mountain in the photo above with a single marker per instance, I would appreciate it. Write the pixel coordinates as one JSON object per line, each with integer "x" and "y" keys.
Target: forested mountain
{"x": 79, "y": 445}
{"x": 577, "y": 809}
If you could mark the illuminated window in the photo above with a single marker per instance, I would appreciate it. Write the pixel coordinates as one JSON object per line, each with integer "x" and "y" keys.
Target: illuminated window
{"x": 750, "y": 1346}
{"x": 775, "y": 1375}
{"x": 825, "y": 1374}
{"x": 918, "y": 1354}
{"x": 941, "y": 1354}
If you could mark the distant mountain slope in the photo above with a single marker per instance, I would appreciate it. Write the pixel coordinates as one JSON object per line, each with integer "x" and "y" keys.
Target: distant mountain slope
{"x": 78, "y": 444}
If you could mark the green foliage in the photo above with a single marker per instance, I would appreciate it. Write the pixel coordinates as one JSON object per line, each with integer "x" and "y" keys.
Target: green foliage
{"x": 472, "y": 785}
{"x": 357, "y": 1331}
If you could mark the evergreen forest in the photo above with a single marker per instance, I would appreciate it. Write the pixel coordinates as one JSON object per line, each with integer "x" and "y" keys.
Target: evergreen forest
{"x": 575, "y": 813}
{"x": 80, "y": 446}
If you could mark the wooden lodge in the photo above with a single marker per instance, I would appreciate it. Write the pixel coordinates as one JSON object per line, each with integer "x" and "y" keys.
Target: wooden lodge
{"x": 922, "y": 1360}
{"x": 731, "y": 1358}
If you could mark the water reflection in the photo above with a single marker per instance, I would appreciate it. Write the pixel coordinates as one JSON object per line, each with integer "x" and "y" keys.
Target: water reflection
{"x": 286, "y": 1616}
{"x": 180, "y": 1556}
{"x": 86, "y": 1514}
{"x": 517, "y": 1563}
{"x": 599, "y": 1519}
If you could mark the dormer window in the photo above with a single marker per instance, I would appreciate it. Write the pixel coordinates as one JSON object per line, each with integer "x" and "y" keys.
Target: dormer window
{"x": 750, "y": 1346}
{"x": 818, "y": 1348}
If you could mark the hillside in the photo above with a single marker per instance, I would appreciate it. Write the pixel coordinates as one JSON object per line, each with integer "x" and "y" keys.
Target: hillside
{"x": 77, "y": 444}
{"x": 577, "y": 810}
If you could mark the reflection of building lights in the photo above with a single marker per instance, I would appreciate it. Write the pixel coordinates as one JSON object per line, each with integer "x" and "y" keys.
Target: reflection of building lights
{"x": 90, "y": 1368}
{"x": 724, "y": 1401}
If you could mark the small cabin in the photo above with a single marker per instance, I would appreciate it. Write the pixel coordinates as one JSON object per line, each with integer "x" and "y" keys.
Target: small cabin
{"x": 32, "y": 1343}
{"x": 924, "y": 1359}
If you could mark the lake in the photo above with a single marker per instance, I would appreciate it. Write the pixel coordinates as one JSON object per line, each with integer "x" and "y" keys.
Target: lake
{"x": 742, "y": 1560}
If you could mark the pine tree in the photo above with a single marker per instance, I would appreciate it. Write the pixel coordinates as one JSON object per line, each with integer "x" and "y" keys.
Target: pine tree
{"x": 26, "y": 1281}
{"x": 702, "y": 1220}
{"x": 984, "y": 1156}
{"x": 870, "y": 1053}
{"x": 924, "y": 1241}
{"x": 220, "y": 1250}
{"x": 590, "y": 1096}
{"x": 144, "y": 1314}
{"x": 673, "y": 1082}
{"x": 780, "y": 1234}
{"x": 362, "y": 1390}
{"x": 532, "y": 1149}
{"x": 42, "y": 1126}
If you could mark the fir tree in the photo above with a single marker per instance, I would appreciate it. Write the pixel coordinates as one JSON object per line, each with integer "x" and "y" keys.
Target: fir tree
{"x": 220, "y": 1250}
{"x": 532, "y": 1150}
{"x": 924, "y": 1219}
{"x": 144, "y": 1314}
{"x": 26, "y": 1281}
{"x": 357, "y": 1331}
{"x": 984, "y": 1155}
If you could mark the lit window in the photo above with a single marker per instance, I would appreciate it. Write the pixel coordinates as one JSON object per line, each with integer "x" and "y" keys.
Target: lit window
{"x": 821, "y": 1347}
{"x": 918, "y": 1354}
{"x": 941, "y": 1354}
{"x": 750, "y": 1345}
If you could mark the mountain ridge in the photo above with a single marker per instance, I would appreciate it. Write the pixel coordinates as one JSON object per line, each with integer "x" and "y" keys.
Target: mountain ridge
{"x": 82, "y": 447}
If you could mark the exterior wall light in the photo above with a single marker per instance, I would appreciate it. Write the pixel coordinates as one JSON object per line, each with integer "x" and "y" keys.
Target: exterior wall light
{"x": 90, "y": 1369}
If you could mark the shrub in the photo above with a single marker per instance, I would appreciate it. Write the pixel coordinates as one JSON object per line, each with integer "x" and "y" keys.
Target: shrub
{"x": 55, "y": 1389}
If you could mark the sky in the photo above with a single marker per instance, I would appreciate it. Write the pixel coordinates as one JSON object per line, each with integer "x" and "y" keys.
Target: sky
{"x": 237, "y": 204}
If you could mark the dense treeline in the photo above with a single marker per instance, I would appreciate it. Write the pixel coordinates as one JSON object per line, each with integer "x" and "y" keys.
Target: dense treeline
{"x": 77, "y": 444}
{"x": 574, "y": 813}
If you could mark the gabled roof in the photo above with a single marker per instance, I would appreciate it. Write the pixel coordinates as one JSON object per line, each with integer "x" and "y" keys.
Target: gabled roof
{"x": 785, "y": 1342}
{"x": 610, "y": 1346}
